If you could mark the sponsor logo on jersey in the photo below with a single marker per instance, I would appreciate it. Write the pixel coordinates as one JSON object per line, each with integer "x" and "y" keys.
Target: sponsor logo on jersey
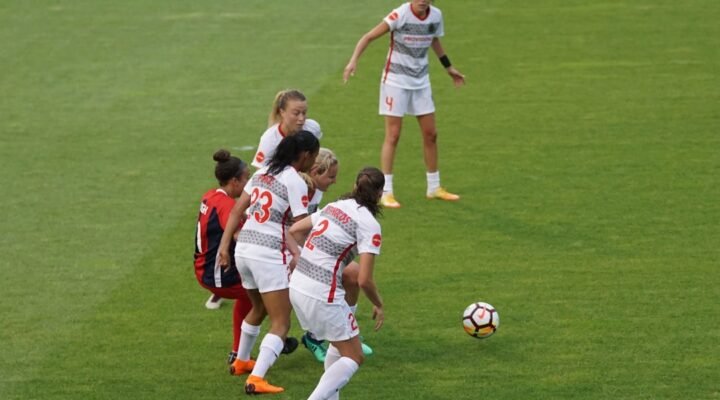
{"x": 304, "y": 201}
{"x": 393, "y": 16}
{"x": 377, "y": 240}
{"x": 260, "y": 156}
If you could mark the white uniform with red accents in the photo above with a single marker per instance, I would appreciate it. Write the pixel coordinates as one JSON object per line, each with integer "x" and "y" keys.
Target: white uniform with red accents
{"x": 273, "y": 200}
{"x": 410, "y": 39}
{"x": 268, "y": 144}
{"x": 341, "y": 230}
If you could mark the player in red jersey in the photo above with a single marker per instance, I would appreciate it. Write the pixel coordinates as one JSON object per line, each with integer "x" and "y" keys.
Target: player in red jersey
{"x": 232, "y": 175}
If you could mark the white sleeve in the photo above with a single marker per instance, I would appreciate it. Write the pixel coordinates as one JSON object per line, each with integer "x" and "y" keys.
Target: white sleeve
{"x": 440, "y": 31}
{"x": 369, "y": 236}
{"x": 297, "y": 195}
{"x": 265, "y": 151}
{"x": 393, "y": 19}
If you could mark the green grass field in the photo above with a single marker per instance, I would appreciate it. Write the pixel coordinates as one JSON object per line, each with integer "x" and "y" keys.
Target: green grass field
{"x": 586, "y": 146}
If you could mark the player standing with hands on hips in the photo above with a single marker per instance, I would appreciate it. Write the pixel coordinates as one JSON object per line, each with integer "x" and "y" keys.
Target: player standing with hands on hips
{"x": 341, "y": 231}
{"x": 414, "y": 27}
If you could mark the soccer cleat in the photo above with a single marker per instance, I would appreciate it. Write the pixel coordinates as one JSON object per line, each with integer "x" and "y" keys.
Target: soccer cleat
{"x": 388, "y": 201}
{"x": 442, "y": 194}
{"x": 290, "y": 345}
{"x": 214, "y": 302}
{"x": 315, "y": 347}
{"x": 367, "y": 350}
{"x": 240, "y": 367}
{"x": 231, "y": 357}
{"x": 257, "y": 385}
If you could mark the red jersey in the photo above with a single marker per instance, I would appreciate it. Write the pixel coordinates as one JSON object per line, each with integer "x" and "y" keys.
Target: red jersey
{"x": 213, "y": 216}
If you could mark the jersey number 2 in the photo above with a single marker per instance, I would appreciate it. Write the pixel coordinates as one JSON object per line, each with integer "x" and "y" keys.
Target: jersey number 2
{"x": 322, "y": 227}
{"x": 264, "y": 213}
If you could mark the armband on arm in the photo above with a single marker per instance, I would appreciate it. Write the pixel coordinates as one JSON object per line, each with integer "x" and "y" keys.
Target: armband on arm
{"x": 445, "y": 61}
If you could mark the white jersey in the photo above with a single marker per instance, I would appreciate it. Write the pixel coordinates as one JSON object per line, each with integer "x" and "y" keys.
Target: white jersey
{"x": 341, "y": 231}
{"x": 269, "y": 142}
{"x": 272, "y": 137}
{"x": 315, "y": 202}
{"x": 273, "y": 202}
{"x": 410, "y": 38}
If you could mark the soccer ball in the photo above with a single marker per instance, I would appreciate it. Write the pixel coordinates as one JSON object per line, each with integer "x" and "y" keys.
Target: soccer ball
{"x": 480, "y": 320}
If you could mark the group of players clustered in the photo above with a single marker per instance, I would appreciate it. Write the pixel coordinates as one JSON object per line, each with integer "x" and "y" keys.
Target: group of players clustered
{"x": 290, "y": 256}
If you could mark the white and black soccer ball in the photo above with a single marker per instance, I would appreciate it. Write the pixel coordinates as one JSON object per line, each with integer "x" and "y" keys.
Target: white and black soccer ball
{"x": 480, "y": 320}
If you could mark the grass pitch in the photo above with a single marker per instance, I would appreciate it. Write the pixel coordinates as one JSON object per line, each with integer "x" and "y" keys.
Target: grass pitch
{"x": 585, "y": 146}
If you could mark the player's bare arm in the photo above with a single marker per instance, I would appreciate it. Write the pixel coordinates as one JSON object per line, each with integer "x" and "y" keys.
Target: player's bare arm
{"x": 381, "y": 29}
{"x": 367, "y": 284}
{"x": 237, "y": 214}
{"x": 457, "y": 77}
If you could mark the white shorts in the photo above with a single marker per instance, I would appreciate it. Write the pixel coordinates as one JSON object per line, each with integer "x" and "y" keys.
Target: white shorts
{"x": 327, "y": 321}
{"x": 397, "y": 102}
{"x": 263, "y": 276}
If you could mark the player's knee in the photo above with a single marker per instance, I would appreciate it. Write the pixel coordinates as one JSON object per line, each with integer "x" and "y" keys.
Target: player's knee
{"x": 392, "y": 138}
{"x": 430, "y": 137}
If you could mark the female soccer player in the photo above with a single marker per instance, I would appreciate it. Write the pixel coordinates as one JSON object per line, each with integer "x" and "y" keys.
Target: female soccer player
{"x": 324, "y": 174}
{"x": 340, "y": 231}
{"x": 287, "y": 117}
{"x": 405, "y": 86}
{"x": 232, "y": 175}
{"x": 263, "y": 250}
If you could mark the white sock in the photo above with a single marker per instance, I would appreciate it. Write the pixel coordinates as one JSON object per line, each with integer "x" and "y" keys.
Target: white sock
{"x": 334, "y": 378}
{"x": 270, "y": 349}
{"x": 331, "y": 356}
{"x": 388, "y": 184}
{"x": 433, "y": 181}
{"x": 248, "y": 336}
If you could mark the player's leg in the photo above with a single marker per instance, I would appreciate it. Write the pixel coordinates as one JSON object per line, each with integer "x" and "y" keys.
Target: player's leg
{"x": 430, "y": 152}
{"x": 345, "y": 357}
{"x": 250, "y": 330}
{"x": 277, "y": 304}
{"x": 352, "y": 294}
{"x": 393, "y": 104}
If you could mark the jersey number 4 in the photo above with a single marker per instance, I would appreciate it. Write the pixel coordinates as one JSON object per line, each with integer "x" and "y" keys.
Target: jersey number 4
{"x": 266, "y": 201}
{"x": 322, "y": 227}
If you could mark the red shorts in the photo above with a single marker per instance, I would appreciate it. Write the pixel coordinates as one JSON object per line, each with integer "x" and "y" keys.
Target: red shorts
{"x": 232, "y": 292}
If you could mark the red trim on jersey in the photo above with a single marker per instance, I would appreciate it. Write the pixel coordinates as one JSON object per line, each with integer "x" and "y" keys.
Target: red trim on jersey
{"x": 387, "y": 64}
{"x": 427, "y": 14}
{"x": 282, "y": 229}
{"x": 280, "y": 130}
{"x": 333, "y": 286}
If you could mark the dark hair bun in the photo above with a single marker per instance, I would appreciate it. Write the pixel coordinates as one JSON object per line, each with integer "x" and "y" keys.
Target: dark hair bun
{"x": 221, "y": 155}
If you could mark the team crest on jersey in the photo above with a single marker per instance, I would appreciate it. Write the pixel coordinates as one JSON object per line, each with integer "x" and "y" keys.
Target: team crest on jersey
{"x": 377, "y": 240}
{"x": 432, "y": 28}
{"x": 393, "y": 16}
{"x": 304, "y": 200}
{"x": 260, "y": 157}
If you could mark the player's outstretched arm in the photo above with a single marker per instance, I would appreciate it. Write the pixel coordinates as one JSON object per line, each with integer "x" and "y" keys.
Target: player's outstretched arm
{"x": 237, "y": 215}
{"x": 381, "y": 29}
{"x": 457, "y": 77}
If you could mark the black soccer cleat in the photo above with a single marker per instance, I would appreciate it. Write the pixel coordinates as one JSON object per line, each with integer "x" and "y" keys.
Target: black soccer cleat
{"x": 291, "y": 344}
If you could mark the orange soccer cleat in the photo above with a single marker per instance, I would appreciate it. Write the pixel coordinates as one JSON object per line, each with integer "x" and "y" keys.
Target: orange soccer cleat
{"x": 442, "y": 194}
{"x": 240, "y": 367}
{"x": 388, "y": 201}
{"x": 258, "y": 385}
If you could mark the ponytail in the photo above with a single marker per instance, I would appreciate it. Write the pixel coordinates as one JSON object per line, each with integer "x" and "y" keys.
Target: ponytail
{"x": 280, "y": 102}
{"x": 368, "y": 184}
